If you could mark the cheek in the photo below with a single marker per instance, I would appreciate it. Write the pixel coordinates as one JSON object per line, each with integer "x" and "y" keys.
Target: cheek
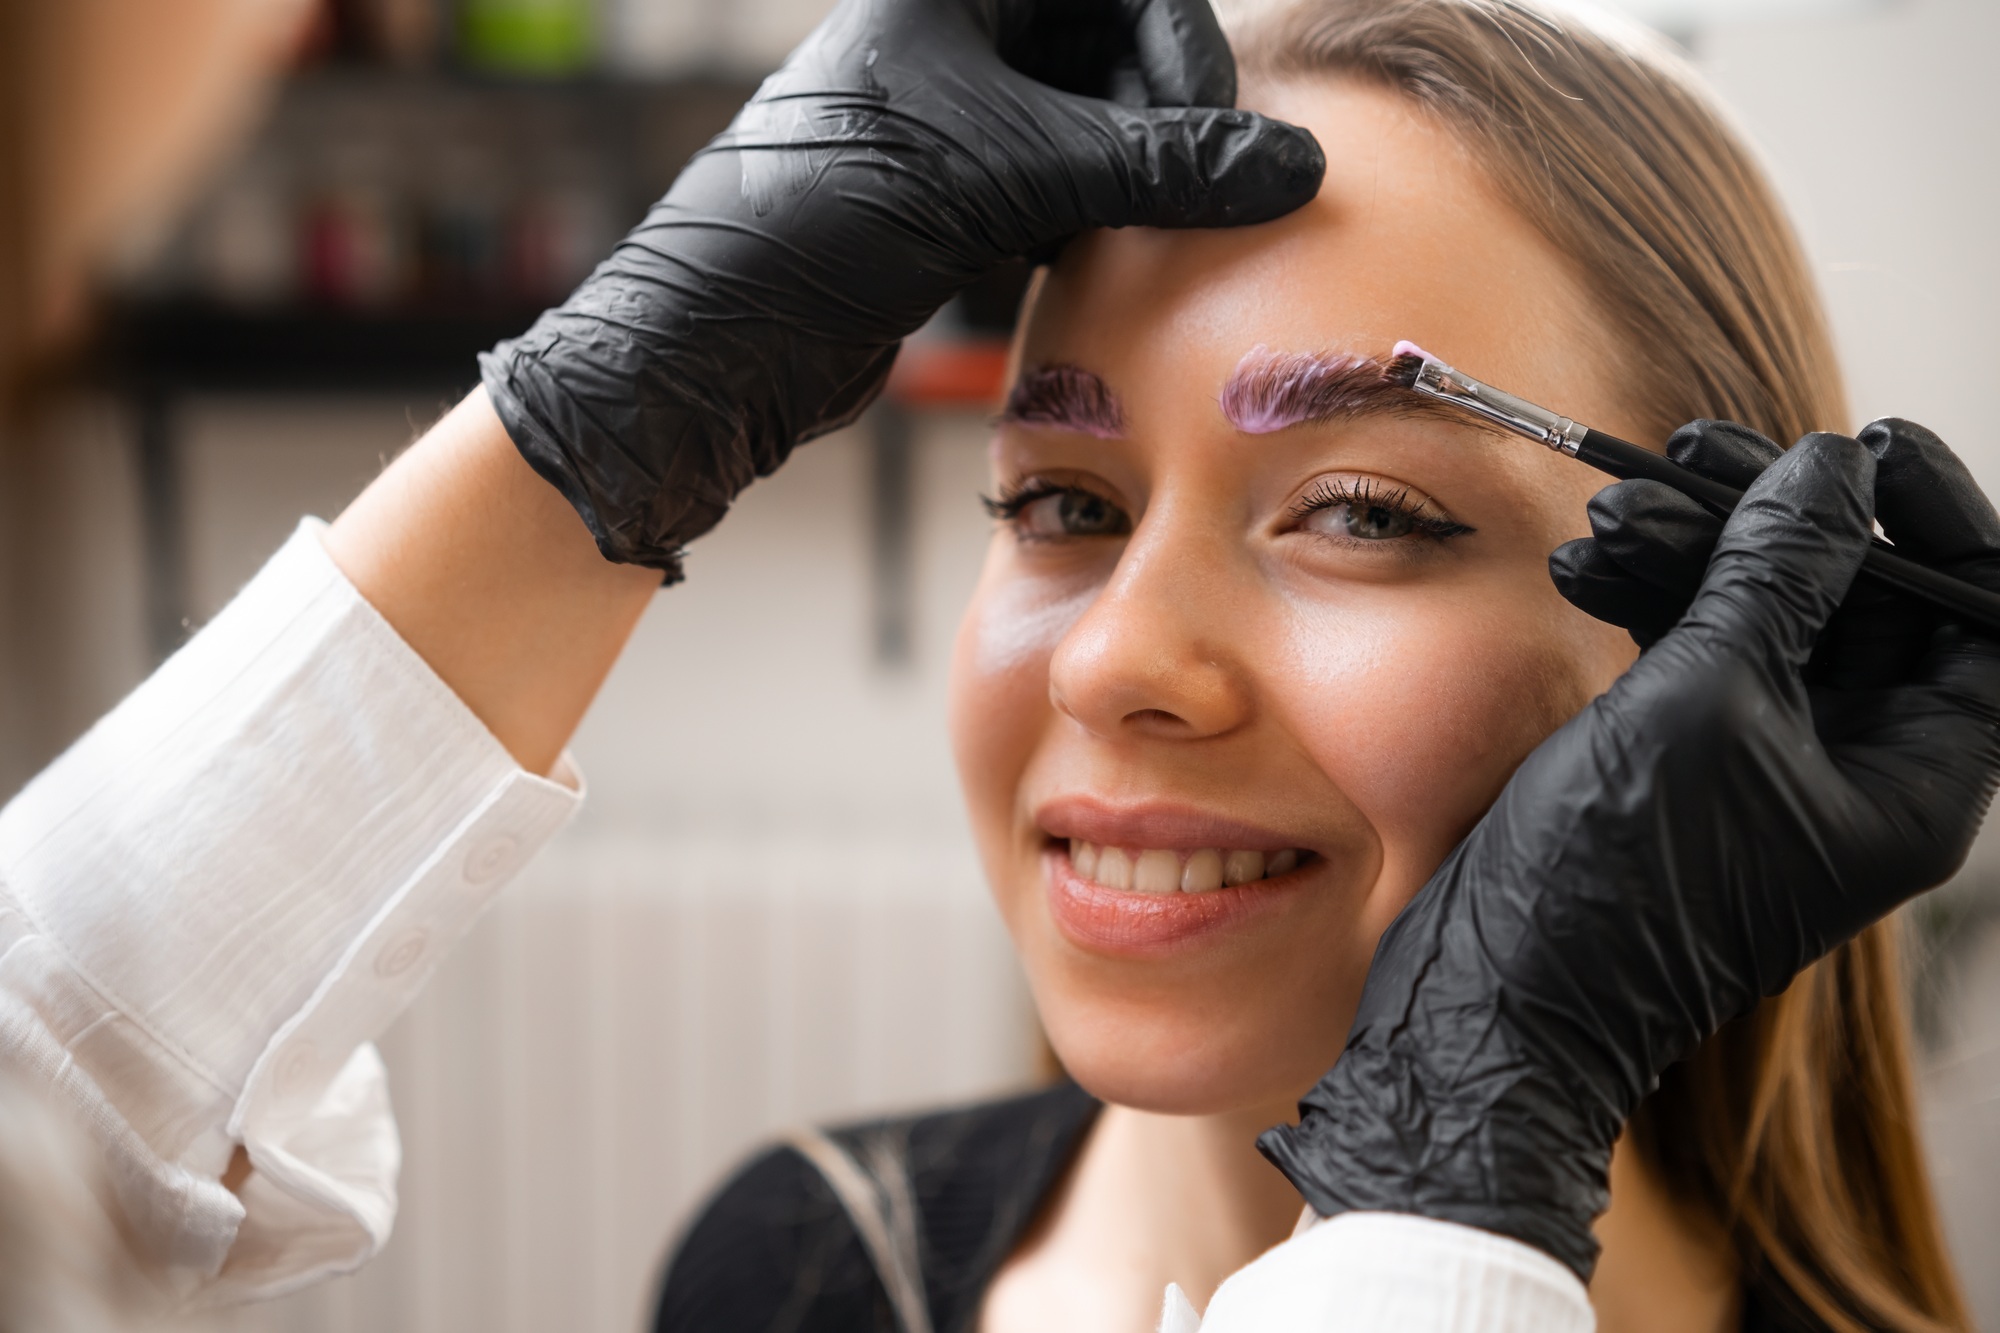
{"x": 1418, "y": 708}
{"x": 1015, "y": 621}
{"x": 1000, "y": 686}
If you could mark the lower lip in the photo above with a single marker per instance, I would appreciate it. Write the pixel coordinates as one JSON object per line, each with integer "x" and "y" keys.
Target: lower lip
{"x": 1150, "y": 925}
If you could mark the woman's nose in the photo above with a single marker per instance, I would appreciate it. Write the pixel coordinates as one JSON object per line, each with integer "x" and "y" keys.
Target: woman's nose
{"x": 1156, "y": 653}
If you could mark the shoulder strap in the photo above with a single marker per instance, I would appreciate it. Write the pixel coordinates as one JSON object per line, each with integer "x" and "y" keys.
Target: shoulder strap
{"x": 873, "y": 1185}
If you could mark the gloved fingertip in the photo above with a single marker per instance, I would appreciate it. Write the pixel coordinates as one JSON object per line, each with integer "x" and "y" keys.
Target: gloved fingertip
{"x": 1204, "y": 167}
{"x": 1854, "y": 460}
{"x": 1256, "y": 169}
{"x": 1298, "y": 162}
{"x": 1887, "y": 436}
{"x": 1589, "y": 580}
{"x": 1568, "y": 562}
{"x": 1637, "y": 497}
{"x": 1926, "y": 499}
{"x": 1723, "y": 450}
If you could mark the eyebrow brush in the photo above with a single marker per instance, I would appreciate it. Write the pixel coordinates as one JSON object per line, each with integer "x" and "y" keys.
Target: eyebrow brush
{"x": 1411, "y": 367}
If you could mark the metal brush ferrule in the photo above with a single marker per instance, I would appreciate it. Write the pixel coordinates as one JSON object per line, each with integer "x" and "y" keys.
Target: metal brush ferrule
{"x": 1438, "y": 380}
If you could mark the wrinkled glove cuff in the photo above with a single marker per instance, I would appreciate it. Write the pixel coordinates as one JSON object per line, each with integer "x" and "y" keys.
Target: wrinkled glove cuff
{"x": 541, "y": 448}
{"x": 1537, "y": 1180}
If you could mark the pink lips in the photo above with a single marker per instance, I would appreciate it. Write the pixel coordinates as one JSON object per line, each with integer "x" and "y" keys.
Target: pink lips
{"x": 1133, "y": 924}
{"x": 1121, "y": 922}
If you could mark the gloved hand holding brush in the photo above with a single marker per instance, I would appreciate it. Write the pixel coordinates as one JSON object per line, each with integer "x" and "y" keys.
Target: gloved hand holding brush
{"x": 905, "y": 149}
{"x": 1776, "y": 772}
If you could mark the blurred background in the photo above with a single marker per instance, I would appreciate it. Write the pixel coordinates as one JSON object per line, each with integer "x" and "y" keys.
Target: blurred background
{"x": 769, "y": 911}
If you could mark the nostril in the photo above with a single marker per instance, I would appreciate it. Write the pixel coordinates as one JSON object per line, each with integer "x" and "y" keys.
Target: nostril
{"x": 1155, "y": 717}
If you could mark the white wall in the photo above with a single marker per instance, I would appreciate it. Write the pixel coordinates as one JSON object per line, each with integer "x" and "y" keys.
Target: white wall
{"x": 1883, "y": 132}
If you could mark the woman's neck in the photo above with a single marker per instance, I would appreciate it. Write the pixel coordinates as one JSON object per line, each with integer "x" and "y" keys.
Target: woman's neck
{"x": 1151, "y": 1199}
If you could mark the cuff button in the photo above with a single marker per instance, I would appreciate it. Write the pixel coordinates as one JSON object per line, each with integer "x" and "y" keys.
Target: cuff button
{"x": 401, "y": 953}
{"x": 492, "y": 859}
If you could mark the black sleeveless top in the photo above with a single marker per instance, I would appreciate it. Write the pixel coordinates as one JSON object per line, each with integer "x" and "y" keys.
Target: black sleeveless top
{"x": 776, "y": 1252}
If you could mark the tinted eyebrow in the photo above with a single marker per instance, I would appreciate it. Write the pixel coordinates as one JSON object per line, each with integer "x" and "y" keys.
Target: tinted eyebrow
{"x": 1068, "y": 397}
{"x": 1270, "y": 390}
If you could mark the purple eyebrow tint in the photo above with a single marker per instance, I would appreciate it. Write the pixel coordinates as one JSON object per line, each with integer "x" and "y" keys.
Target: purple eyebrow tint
{"x": 1269, "y": 390}
{"x": 1068, "y": 397}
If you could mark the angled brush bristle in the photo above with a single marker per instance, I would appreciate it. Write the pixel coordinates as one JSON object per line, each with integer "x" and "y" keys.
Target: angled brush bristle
{"x": 1402, "y": 371}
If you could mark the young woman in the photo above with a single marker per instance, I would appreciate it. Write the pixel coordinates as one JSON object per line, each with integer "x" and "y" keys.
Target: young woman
{"x": 1256, "y": 644}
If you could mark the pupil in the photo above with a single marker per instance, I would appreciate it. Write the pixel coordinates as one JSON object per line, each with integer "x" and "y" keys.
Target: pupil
{"x": 1083, "y": 513}
{"x": 1377, "y": 522}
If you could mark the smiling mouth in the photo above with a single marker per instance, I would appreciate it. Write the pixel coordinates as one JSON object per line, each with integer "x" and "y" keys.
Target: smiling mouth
{"x": 1162, "y": 870}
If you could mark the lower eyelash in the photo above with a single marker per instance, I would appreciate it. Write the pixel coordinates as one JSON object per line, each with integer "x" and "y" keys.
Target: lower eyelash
{"x": 1362, "y": 492}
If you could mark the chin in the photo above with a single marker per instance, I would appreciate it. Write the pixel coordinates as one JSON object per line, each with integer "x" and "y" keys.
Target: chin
{"x": 1187, "y": 1054}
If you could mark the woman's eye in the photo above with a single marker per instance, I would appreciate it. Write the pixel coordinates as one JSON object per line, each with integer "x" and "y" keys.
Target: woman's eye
{"x": 1364, "y": 510}
{"x": 1067, "y": 512}
{"x": 1360, "y": 522}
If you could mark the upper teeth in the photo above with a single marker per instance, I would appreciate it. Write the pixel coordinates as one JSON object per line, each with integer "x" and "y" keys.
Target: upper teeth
{"x": 1159, "y": 870}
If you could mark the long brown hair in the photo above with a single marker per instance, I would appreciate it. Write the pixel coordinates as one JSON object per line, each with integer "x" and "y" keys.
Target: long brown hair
{"x": 1794, "y": 1126}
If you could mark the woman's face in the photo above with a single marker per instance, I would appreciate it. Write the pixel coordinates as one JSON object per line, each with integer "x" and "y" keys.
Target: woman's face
{"x": 1247, "y": 623}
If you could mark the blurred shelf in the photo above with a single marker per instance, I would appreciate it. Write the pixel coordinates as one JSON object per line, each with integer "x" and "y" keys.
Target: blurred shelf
{"x": 198, "y": 347}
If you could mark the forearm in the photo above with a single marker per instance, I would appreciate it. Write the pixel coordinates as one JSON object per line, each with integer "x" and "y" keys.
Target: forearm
{"x": 489, "y": 575}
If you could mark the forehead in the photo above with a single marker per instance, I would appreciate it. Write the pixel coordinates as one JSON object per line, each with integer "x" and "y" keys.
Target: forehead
{"x": 1407, "y": 239}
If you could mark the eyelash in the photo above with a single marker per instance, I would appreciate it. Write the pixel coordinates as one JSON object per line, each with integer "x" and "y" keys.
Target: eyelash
{"x": 1367, "y": 493}
{"x": 1016, "y": 496}
{"x": 1326, "y": 493}
{"x": 1013, "y": 503}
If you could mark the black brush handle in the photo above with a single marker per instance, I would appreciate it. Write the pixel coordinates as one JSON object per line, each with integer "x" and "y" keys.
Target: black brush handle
{"x": 1627, "y": 461}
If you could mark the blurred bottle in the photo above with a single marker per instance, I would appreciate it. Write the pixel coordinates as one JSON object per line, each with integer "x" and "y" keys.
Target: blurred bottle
{"x": 556, "y": 236}
{"x": 357, "y": 248}
{"x": 532, "y": 37}
{"x": 405, "y": 33}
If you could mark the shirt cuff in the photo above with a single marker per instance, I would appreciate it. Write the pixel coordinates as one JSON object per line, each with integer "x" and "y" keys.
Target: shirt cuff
{"x": 244, "y": 872}
{"x": 1374, "y": 1272}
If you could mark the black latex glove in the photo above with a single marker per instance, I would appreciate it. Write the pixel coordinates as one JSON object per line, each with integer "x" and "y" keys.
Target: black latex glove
{"x": 1682, "y": 848}
{"x": 902, "y": 151}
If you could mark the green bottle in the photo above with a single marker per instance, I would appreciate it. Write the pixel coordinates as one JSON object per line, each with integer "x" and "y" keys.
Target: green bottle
{"x": 535, "y": 37}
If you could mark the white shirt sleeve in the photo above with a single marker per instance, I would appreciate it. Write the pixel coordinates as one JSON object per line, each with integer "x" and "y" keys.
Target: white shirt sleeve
{"x": 1377, "y": 1272}
{"x": 213, "y": 901}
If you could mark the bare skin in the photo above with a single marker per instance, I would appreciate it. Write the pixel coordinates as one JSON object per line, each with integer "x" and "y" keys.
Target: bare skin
{"x": 488, "y": 573}
{"x": 1180, "y": 640}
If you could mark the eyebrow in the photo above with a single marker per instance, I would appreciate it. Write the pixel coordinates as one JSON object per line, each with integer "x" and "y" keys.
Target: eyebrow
{"x": 1068, "y": 397}
{"x": 1269, "y": 390}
